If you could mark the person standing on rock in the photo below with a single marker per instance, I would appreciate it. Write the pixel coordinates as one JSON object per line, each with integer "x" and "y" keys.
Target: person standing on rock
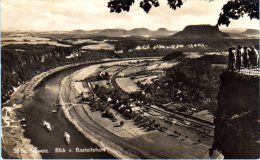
{"x": 255, "y": 57}
{"x": 239, "y": 58}
{"x": 231, "y": 59}
{"x": 245, "y": 58}
{"x": 251, "y": 57}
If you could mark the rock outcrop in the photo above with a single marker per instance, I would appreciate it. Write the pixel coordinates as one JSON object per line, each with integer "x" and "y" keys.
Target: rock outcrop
{"x": 200, "y": 32}
{"x": 237, "y": 123}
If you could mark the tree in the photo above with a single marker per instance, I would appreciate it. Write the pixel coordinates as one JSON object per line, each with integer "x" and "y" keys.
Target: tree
{"x": 233, "y": 9}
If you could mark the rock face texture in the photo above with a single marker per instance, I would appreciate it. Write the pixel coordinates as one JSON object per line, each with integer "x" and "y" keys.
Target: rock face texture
{"x": 200, "y": 31}
{"x": 237, "y": 123}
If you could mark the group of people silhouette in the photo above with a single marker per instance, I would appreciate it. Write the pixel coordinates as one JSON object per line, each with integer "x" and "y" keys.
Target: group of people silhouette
{"x": 247, "y": 57}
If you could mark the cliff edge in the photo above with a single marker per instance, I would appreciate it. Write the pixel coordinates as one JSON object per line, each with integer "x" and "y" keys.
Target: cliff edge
{"x": 237, "y": 123}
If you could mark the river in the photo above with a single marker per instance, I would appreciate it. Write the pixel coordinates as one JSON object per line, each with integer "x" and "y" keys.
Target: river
{"x": 39, "y": 109}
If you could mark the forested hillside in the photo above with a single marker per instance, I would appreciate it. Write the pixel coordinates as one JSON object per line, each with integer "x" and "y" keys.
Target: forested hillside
{"x": 194, "y": 81}
{"x": 21, "y": 62}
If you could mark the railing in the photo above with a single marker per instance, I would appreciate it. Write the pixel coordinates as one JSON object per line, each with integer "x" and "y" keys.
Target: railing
{"x": 251, "y": 70}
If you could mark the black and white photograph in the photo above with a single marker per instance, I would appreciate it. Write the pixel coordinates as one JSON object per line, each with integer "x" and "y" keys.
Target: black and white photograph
{"x": 130, "y": 79}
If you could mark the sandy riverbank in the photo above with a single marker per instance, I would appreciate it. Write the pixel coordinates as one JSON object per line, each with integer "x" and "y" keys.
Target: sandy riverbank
{"x": 92, "y": 136}
{"x": 97, "y": 138}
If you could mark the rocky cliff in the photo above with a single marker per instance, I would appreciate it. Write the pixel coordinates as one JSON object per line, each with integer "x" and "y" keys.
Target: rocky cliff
{"x": 200, "y": 31}
{"x": 237, "y": 129}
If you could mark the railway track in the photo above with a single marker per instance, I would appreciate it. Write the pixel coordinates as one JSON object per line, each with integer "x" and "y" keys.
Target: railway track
{"x": 179, "y": 117}
{"x": 193, "y": 120}
{"x": 113, "y": 80}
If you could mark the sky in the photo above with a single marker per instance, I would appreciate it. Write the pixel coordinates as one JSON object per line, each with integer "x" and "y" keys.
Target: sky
{"x": 65, "y": 15}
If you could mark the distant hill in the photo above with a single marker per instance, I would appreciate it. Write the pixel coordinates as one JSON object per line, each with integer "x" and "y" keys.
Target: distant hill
{"x": 80, "y": 31}
{"x": 140, "y": 31}
{"x": 135, "y": 32}
{"x": 164, "y": 31}
{"x": 200, "y": 31}
{"x": 242, "y": 33}
{"x": 251, "y": 32}
{"x": 112, "y": 32}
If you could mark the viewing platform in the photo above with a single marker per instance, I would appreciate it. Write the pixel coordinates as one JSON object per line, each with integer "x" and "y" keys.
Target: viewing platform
{"x": 254, "y": 72}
